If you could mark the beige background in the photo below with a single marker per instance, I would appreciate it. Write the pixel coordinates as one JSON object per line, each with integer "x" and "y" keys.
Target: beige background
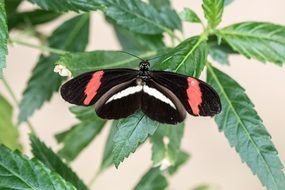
{"x": 213, "y": 161}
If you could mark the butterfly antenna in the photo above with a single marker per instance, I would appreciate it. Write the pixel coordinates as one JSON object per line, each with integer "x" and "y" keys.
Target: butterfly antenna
{"x": 165, "y": 55}
{"x": 160, "y": 56}
{"x": 132, "y": 55}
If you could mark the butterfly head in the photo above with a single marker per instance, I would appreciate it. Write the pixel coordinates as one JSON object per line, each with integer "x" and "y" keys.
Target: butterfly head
{"x": 144, "y": 66}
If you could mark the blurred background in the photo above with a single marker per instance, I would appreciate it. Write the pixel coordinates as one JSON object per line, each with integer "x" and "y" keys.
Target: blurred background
{"x": 212, "y": 161}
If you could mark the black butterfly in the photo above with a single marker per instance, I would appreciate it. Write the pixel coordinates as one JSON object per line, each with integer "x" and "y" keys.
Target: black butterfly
{"x": 162, "y": 96}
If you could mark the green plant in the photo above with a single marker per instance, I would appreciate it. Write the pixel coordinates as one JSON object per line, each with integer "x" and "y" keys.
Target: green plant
{"x": 140, "y": 28}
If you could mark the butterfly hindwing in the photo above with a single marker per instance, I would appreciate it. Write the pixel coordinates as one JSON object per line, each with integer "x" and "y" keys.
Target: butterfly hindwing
{"x": 198, "y": 98}
{"x": 160, "y": 104}
{"x": 120, "y": 101}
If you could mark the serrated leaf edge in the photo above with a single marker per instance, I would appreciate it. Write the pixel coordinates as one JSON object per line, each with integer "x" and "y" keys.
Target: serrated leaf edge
{"x": 209, "y": 67}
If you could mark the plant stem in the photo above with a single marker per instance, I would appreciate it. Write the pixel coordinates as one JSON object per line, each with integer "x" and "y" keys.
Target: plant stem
{"x": 92, "y": 181}
{"x": 40, "y": 47}
{"x": 12, "y": 94}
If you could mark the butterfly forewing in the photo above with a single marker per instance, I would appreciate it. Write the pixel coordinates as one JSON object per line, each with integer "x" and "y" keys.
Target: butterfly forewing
{"x": 198, "y": 98}
{"x": 87, "y": 88}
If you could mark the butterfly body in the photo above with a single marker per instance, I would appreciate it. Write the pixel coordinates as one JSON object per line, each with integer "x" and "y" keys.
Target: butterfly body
{"x": 162, "y": 96}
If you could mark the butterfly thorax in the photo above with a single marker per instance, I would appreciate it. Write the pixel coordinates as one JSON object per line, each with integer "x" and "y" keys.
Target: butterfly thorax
{"x": 144, "y": 71}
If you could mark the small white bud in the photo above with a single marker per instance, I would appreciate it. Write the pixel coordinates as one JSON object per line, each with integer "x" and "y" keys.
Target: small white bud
{"x": 46, "y": 53}
{"x": 166, "y": 140}
{"x": 62, "y": 71}
{"x": 164, "y": 164}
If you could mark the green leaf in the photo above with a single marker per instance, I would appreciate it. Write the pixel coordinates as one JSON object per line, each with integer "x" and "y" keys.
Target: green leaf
{"x": 131, "y": 41}
{"x": 152, "y": 180}
{"x": 79, "y": 63}
{"x": 12, "y": 6}
{"x": 41, "y": 86}
{"x": 171, "y": 19}
{"x": 166, "y": 143}
{"x": 140, "y": 17}
{"x": 168, "y": 15}
{"x": 132, "y": 131}
{"x": 84, "y": 132}
{"x": 18, "y": 172}
{"x": 227, "y": 2}
{"x": 31, "y": 18}
{"x": 182, "y": 158}
{"x": 166, "y": 12}
{"x": 67, "y": 5}
{"x": 219, "y": 53}
{"x": 107, "y": 159}
{"x": 203, "y": 187}
{"x": 9, "y": 135}
{"x": 3, "y": 37}
{"x": 188, "y": 58}
{"x": 190, "y": 16}
{"x": 159, "y": 4}
{"x": 213, "y": 10}
{"x": 54, "y": 163}
{"x": 261, "y": 41}
{"x": 72, "y": 36}
{"x": 245, "y": 131}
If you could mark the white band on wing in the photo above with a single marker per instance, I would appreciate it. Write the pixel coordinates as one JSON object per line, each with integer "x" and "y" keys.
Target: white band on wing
{"x": 126, "y": 92}
{"x": 158, "y": 95}
{"x": 148, "y": 90}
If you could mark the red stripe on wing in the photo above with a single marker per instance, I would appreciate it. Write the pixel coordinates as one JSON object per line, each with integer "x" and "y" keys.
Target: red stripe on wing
{"x": 92, "y": 87}
{"x": 194, "y": 95}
